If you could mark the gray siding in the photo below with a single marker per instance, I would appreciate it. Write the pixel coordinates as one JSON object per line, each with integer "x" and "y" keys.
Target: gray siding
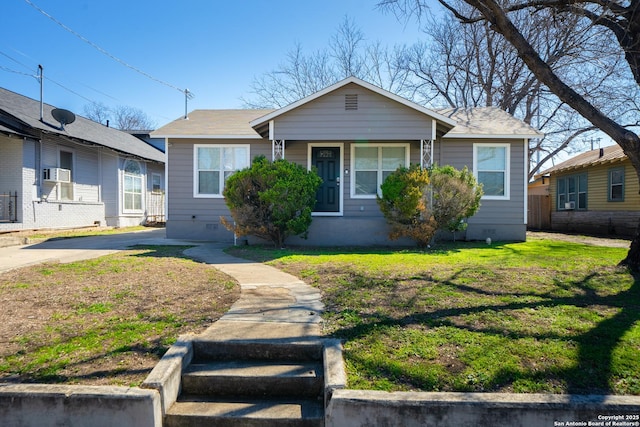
{"x": 495, "y": 218}
{"x": 377, "y": 118}
{"x": 197, "y": 218}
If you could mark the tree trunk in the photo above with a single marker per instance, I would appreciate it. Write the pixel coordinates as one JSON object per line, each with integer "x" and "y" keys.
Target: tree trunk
{"x": 632, "y": 261}
{"x": 629, "y": 141}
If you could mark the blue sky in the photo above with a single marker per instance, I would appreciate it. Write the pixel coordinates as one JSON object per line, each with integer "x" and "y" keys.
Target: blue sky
{"x": 215, "y": 48}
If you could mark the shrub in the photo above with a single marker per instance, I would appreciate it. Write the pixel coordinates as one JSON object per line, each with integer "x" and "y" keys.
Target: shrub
{"x": 454, "y": 196}
{"x": 271, "y": 200}
{"x": 418, "y": 202}
{"x": 404, "y": 205}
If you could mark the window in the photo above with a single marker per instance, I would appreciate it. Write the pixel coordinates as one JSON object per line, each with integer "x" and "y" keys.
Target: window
{"x": 132, "y": 186}
{"x": 66, "y": 162}
{"x": 214, "y": 164}
{"x": 572, "y": 192}
{"x": 616, "y": 185}
{"x": 156, "y": 183}
{"x": 491, "y": 169}
{"x": 372, "y": 164}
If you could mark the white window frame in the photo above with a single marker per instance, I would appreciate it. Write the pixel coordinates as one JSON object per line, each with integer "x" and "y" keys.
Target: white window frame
{"x": 407, "y": 150}
{"x": 158, "y": 176}
{"x": 124, "y": 190}
{"x": 196, "y": 194}
{"x": 507, "y": 171}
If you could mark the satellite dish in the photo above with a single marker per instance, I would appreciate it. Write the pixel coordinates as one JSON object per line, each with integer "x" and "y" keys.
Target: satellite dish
{"x": 65, "y": 117}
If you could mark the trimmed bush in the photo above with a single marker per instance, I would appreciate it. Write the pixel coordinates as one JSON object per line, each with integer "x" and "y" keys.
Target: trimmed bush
{"x": 418, "y": 202}
{"x": 271, "y": 200}
{"x": 454, "y": 197}
{"x": 404, "y": 205}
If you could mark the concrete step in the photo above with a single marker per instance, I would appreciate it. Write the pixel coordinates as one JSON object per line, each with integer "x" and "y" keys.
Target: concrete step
{"x": 254, "y": 378}
{"x": 196, "y": 412}
{"x": 209, "y": 350}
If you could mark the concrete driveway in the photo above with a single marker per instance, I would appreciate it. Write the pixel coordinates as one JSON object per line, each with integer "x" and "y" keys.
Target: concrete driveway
{"x": 70, "y": 250}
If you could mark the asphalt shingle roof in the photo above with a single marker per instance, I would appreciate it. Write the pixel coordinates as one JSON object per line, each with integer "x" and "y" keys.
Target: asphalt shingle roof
{"x": 490, "y": 121}
{"x": 27, "y": 111}
{"x": 234, "y": 123}
{"x": 609, "y": 154}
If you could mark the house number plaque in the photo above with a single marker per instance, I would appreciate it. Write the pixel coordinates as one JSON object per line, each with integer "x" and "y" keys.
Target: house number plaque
{"x": 325, "y": 154}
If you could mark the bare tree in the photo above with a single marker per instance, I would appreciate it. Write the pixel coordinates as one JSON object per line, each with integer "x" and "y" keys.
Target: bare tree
{"x": 121, "y": 117}
{"x": 469, "y": 65}
{"x": 348, "y": 54}
{"x": 98, "y": 112}
{"x": 620, "y": 21}
{"x": 131, "y": 118}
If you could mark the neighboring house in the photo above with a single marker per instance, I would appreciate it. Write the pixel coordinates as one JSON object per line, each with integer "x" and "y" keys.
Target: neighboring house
{"x": 595, "y": 192}
{"x": 80, "y": 174}
{"x": 354, "y": 134}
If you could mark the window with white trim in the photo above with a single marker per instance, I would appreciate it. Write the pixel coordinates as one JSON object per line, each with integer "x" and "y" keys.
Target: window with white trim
{"x": 156, "y": 183}
{"x": 132, "y": 184}
{"x": 491, "y": 169}
{"x": 213, "y": 164}
{"x": 372, "y": 163}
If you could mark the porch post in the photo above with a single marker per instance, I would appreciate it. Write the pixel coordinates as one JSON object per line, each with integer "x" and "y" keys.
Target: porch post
{"x": 426, "y": 153}
{"x": 277, "y": 149}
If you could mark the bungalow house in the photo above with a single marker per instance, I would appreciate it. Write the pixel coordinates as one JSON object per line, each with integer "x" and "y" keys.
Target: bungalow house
{"x": 73, "y": 174}
{"x": 355, "y": 134}
{"x": 595, "y": 192}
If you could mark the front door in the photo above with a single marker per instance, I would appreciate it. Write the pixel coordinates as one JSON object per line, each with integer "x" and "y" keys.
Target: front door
{"x": 327, "y": 162}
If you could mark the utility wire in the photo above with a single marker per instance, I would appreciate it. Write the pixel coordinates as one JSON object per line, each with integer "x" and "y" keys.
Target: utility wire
{"x": 10, "y": 70}
{"x": 187, "y": 92}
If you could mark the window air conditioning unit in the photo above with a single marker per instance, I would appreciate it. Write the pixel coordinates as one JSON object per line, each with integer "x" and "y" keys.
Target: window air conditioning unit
{"x": 570, "y": 205}
{"x": 56, "y": 175}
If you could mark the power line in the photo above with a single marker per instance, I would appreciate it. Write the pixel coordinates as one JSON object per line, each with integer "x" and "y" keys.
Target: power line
{"x": 11, "y": 70}
{"x": 187, "y": 93}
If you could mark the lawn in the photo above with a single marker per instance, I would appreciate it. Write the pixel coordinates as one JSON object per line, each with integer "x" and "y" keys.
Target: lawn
{"x": 543, "y": 316}
{"x": 106, "y": 320}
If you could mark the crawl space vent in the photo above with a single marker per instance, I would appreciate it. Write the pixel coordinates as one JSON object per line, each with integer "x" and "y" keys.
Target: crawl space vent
{"x": 351, "y": 102}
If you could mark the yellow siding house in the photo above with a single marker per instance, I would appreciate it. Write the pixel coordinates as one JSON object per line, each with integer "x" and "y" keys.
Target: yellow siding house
{"x": 596, "y": 193}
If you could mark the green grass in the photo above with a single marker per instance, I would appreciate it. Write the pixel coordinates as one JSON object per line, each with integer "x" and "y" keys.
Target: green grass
{"x": 106, "y": 320}
{"x": 536, "y": 317}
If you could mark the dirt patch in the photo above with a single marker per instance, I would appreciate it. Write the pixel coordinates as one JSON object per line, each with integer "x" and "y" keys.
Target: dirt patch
{"x": 106, "y": 320}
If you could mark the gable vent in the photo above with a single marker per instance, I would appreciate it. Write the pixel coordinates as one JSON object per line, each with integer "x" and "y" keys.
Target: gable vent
{"x": 351, "y": 101}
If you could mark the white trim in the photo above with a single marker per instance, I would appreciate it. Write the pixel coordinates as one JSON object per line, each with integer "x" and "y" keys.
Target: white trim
{"x": 433, "y": 129}
{"x": 352, "y": 181}
{"x": 166, "y": 180}
{"x": 74, "y": 172}
{"x": 196, "y": 195}
{"x": 362, "y": 83}
{"x": 490, "y": 136}
{"x": 209, "y": 136}
{"x": 340, "y": 145}
{"x": 272, "y": 130}
{"x": 525, "y": 181}
{"x": 143, "y": 186}
{"x": 507, "y": 177}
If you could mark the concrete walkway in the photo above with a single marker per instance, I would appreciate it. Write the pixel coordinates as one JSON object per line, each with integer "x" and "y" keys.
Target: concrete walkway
{"x": 273, "y": 305}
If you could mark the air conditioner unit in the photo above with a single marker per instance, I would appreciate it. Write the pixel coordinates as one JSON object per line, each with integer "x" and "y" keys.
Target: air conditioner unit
{"x": 56, "y": 175}
{"x": 570, "y": 205}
